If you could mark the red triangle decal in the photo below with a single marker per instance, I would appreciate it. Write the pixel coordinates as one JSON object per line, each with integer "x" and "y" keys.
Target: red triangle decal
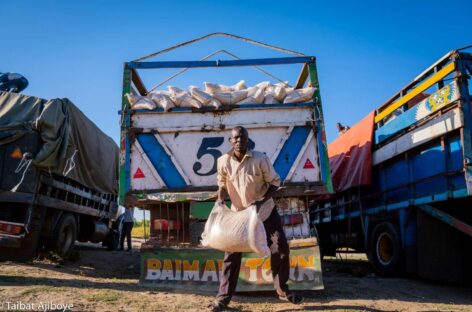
{"x": 138, "y": 174}
{"x": 308, "y": 164}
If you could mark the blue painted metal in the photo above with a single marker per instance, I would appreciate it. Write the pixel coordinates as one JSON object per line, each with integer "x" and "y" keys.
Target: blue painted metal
{"x": 396, "y": 174}
{"x": 435, "y": 101}
{"x": 366, "y": 230}
{"x": 467, "y": 131}
{"x": 290, "y": 151}
{"x": 448, "y": 219}
{"x": 459, "y": 193}
{"x": 428, "y": 162}
{"x": 468, "y": 65}
{"x": 455, "y": 154}
{"x": 401, "y": 122}
{"x": 398, "y": 205}
{"x": 407, "y": 221}
{"x": 161, "y": 161}
{"x": 221, "y": 63}
{"x": 233, "y": 107}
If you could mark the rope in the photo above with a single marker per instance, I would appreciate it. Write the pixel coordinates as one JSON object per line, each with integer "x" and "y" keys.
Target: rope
{"x": 24, "y": 163}
{"x": 69, "y": 163}
{"x": 223, "y": 35}
{"x": 207, "y": 57}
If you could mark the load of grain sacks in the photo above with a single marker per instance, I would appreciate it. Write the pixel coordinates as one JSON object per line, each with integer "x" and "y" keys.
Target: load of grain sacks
{"x": 216, "y": 95}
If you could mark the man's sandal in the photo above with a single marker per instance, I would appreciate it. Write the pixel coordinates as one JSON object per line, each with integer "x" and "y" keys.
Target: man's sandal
{"x": 293, "y": 298}
{"x": 217, "y": 306}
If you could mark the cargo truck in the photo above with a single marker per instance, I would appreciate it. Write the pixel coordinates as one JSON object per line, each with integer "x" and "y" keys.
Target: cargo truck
{"x": 168, "y": 166}
{"x": 58, "y": 178}
{"x": 403, "y": 182}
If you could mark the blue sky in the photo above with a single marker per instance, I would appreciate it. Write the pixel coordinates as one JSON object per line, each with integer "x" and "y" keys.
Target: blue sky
{"x": 366, "y": 50}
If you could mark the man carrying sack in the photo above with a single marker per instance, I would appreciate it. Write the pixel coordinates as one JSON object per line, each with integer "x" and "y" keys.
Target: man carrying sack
{"x": 249, "y": 178}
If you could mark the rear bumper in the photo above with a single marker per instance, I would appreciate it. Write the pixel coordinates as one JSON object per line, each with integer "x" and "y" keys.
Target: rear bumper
{"x": 16, "y": 197}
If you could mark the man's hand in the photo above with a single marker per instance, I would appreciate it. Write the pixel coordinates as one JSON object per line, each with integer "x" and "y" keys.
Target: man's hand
{"x": 222, "y": 193}
{"x": 271, "y": 191}
{"x": 258, "y": 205}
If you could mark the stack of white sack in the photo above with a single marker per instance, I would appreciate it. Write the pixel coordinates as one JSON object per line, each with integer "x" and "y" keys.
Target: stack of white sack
{"x": 215, "y": 95}
{"x": 231, "y": 231}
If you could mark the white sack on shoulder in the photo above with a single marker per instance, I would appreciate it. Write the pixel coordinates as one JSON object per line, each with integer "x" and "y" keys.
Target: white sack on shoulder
{"x": 300, "y": 95}
{"x": 140, "y": 102}
{"x": 162, "y": 99}
{"x": 231, "y": 231}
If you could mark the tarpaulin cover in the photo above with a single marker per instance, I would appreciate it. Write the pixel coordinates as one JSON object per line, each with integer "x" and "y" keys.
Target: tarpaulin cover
{"x": 69, "y": 139}
{"x": 350, "y": 156}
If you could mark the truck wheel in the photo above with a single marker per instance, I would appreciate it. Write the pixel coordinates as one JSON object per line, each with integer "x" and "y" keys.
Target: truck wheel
{"x": 385, "y": 249}
{"x": 112, "y": 241}
{"x": 65, "y": 234}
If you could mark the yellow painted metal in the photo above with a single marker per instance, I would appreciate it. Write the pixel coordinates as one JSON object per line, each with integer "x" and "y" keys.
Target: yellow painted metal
{"x": 422, "y": 87}
{"x": 303, "y": 242}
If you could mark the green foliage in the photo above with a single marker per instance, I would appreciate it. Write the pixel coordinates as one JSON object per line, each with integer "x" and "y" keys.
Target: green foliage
{"x": 140, "y": 223}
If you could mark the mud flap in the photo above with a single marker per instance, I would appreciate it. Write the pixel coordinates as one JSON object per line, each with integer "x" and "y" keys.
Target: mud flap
{"x": 443, "y": 252}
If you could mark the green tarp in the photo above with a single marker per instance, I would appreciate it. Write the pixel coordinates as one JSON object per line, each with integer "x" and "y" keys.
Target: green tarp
{"x": 71, "y": 143}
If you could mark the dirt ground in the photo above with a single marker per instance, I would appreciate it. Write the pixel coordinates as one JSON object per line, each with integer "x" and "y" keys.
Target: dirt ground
{"x": 101, "y": 280}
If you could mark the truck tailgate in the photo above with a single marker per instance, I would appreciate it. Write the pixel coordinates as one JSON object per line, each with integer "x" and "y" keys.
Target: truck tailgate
{"x": 179, "y": 150}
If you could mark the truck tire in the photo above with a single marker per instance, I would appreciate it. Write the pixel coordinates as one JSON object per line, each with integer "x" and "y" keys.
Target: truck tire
{"x": 385, "y": 249}
{"x": 64, "y": 235}
{"x": 112, "y": 241}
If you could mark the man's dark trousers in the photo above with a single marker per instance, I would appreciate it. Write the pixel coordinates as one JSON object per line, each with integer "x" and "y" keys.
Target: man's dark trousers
{"x": 279, "y": 261}
{"x": 126, "y": 232}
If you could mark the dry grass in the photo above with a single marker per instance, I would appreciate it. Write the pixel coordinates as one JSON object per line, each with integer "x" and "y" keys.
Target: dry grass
{"x": 104, "y": 296}
{"x": 138, "y": 231}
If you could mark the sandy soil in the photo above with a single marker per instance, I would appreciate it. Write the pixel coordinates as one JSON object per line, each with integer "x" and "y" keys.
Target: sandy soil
{"x": 108, "y": 281}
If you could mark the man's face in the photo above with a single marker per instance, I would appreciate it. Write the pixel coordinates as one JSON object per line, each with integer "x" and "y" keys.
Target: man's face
{"x": 239, "y": 139}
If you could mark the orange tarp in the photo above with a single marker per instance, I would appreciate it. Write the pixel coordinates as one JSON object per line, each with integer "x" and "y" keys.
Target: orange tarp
{"x": 350, "y": 156}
